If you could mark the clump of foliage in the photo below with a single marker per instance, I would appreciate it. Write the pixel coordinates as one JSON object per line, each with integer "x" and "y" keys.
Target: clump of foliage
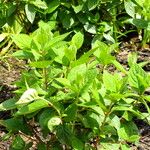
{"x": 98, "y": 19}
{"x": 76, "y": 102}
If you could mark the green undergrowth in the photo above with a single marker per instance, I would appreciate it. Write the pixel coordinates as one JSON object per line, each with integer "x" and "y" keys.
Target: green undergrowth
{"x": 77, "y": 103}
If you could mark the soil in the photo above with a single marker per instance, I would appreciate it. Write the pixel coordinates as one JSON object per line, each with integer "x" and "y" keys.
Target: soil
{"x": 10, "y": 70}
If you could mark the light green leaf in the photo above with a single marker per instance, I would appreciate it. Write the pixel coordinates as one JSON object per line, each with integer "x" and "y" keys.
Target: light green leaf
{"x": 55, "y": 40}
{"x": 64, "y": 81}
{"x": 129, "y": 132}
{"x": 78, "y": 8}
{"x": 53, "y": 122}
{"x": 78, "y": 39}
{"x": 119, "y": 66}
{"x": 92, "y": 4}
{"x": 23, "y": 41}
{"x": 130, "y": 8}
{"x": 114, "y": 121}
{"x": 93, "y": 106}
{"x": 132, "y": 58}
{"x": 109, "y": 82}
{"x": 44, "y": 118}
{"x": 40, "y": 64}
{"x": 98, "y": 97}
{"x": 84, "y": 58}
{"x": 40, "y": 4}
{"x": 109, "y": 146}
{"x": 3, "y": 36}
{"x": 79, "y": 70}
{"x": 70, "y": 53}
{"x": 90, "y": 28}
{"x": 147, "y": 97}
{"x": 138, "y": 78}
{"x": 103, "y": 53}
{"x": 125, "y": 147}
{"x": 30, "y": 12}
{"x": 89, "y": 78}
{"x": 27, "y": 97}
{"x": 23, "y": 54}
{"x": 30, "y": 108}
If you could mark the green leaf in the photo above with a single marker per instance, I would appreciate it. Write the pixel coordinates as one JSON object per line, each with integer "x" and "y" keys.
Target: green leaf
{"x": 132, "y": 59}
{"x": 84, "y": 58}
{"x": 70, "y": 112}
{"x": 129, "y": 132}
{"x": 109, "y": 82}
{"x": 53, "y": 42}
{"x": 65, "y": 82}
{"x": 41, "y": 33}
{"x": 89, "y": 79}
{"x": 114, "y": 121}
{"x": 78, "y": 39}
{"x": 92, "y": 120}
{"x": 119, "y": 66}
{"x": 103, "y": 53}
{"x": 70, "y": 53}
{"x": 18, "y": 143}
{"x": 3, "y": 36}
{"x": 27, "y": 97}
{"x": 92, "y": 4}
{"x": 125, "y": 147}
{"x": 93, "y": 106}
{"x": 45, "y": 117}
{"x": 8, "y": 104}
{"x": 15, "y": 124}
{"x": 30, "y": 12}
{"x": 78, "y": 8}
{"x": 138, "y": 78}
{"x": 90, "y": 28}
{"x": 66, "y": 18}
{"x": 130, "y": 8}
{"x": 109, "y": 146}
{"x": 40, "y": 64}
{"x": 65, "y": 136}
{"x": 98, "y": 97}
{"x": 23, "y": 54}
{"x": 41, "y": 146}
{"x": 52, "y": 6}
{"x": 108, "y": 130}
{"x": 40, "y": 4}
{"x": 30, "y": 108}
{"x": 79, "y": 70}
{"x": 127, "y": 108}
{"x": 77, "y": 144}
{"x": 139, "y": 23}
{"x": 147, "y": 97}
{"x": 23, "y": 41}
{"x": 53, "y": 122}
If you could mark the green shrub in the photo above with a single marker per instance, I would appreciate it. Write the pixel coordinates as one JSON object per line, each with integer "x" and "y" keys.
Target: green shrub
{"x": 79, "y": 105}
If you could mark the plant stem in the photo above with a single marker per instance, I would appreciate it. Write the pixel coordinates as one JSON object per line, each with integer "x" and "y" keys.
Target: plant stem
{"x": 107, "y": 114}
{"x": 114, "y": 24}
{"x": 45, "y": 78}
